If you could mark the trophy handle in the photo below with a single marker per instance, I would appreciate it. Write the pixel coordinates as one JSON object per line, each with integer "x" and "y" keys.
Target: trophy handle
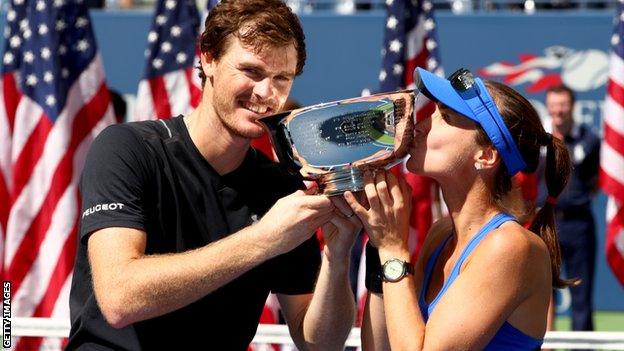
{"x": 281, "y": 141}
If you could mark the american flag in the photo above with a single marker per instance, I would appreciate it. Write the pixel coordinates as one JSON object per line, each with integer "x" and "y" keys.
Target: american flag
{"x": 170, "y": 85}
{"x": 54, "y": 102}
{"x": 410, "y": 41}
{"x": 612, "y": 150}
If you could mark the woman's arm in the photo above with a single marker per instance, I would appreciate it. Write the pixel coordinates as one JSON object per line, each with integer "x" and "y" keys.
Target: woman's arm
{"x": 499, "y": 276}
{"x": 374, "y": 331}
{"x": 387, "y": 222}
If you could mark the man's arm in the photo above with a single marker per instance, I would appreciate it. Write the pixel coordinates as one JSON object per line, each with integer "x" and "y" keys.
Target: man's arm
{"x": 323, "y": 321}
{"x": 374, "y": 331}
{"x": 131, "y": 286}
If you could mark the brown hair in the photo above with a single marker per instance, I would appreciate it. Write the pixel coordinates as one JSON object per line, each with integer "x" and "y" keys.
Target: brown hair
{"x": 256, "y": 23}
{"x": 526, "y": 128}
{"x": 562, "y": 88}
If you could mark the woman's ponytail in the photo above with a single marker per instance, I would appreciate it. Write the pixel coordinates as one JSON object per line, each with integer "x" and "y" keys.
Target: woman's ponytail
{"x": 558, "y": 168}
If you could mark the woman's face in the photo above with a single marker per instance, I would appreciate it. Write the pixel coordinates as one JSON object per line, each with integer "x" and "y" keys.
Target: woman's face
{"x": 444, "y": 145}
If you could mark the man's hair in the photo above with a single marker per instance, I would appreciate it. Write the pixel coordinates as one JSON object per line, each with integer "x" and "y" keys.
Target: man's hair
{"x": 562, "y": 88}
{"x": 258, "y": 24}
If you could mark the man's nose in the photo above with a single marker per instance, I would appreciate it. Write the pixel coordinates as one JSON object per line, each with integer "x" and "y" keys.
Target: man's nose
{"x": 264, "y": 88}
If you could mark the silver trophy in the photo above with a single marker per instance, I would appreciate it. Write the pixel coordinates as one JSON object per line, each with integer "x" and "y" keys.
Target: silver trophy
{"x": 334, "y": 143}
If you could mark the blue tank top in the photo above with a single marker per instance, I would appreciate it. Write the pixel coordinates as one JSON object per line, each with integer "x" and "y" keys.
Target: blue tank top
{"x": 508, "y": 337}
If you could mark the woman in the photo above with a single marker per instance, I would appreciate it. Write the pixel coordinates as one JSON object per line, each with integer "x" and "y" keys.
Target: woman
{"x": 482, "y": 280}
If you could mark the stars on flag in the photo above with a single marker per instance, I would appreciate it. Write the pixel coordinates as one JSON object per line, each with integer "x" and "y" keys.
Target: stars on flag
{"x": 395, "y": 45}
{"x": 172, "y": 37}
{"x": 404, "y": 17}
{"x": 33, "y": 42}
{"x": 161, "y": 19}
{"x": 392, "y": 22}
{"x": 181, "y": 57}
{"x": 29, "y": 57}
{"x": 48, "y": 77}
{"x": 170, "y": 85}
{"x": 60, "y": 25}
{"x": 397, "y": 69}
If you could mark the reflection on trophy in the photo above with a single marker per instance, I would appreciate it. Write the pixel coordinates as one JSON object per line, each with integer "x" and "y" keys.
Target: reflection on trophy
{"x": 334, "y": 143}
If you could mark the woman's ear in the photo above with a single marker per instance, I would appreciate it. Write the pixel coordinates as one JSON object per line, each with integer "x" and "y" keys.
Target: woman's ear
{"x": 486, "y": 158}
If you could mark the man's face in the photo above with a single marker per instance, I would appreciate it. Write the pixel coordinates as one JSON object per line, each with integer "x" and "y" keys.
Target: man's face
{"x": 559, "y": 106}
{"x": 247, "y": 86}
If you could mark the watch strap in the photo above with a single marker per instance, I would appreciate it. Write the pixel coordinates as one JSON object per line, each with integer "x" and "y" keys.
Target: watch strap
{"x": 409, "y": 268}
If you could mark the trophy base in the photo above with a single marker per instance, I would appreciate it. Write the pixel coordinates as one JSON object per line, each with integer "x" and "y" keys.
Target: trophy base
{"x": 336, "y": 183}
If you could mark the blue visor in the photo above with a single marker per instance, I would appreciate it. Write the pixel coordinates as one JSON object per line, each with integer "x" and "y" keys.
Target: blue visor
{"x": 469, "y": 97}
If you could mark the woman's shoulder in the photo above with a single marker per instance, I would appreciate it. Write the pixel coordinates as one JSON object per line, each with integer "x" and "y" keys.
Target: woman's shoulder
{"x": 516, "y": 248}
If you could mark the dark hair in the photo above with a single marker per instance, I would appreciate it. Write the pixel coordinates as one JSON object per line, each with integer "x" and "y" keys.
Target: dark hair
{"x": 562, "y": 88}
{"x": 119, "y": 105}
{"x": 526, "y": 128}
{"x": 257, "y": 24}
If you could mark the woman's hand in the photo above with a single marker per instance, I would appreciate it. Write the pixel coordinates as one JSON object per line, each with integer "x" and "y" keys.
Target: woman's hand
{"x": 387, "y": 218}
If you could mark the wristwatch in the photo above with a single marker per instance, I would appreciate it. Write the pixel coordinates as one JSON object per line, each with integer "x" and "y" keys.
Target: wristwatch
{"x": 394, "y": 270}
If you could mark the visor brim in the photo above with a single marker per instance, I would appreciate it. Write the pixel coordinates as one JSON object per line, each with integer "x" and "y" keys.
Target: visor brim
{"x": 442, "y": 91}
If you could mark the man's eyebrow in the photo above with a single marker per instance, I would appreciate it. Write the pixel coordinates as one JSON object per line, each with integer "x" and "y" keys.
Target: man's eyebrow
{"x": 249, "y": 65}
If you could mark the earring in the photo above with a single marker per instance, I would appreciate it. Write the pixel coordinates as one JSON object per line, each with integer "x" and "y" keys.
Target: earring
{"x": 478, "y": 166}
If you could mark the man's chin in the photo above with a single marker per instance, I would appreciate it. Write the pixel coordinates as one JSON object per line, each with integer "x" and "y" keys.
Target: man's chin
{"x": 249, "y": 133}
{"x": 256, "y": 135}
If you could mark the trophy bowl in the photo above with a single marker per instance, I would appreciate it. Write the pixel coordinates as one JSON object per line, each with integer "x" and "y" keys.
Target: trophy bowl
{"x": 335, "y": 143}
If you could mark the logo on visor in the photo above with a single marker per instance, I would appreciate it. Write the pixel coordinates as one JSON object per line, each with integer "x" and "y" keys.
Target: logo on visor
{"x": 581, "y": 70}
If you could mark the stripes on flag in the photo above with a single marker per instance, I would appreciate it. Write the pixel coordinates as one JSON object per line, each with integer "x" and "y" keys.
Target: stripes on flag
{"x": 170, "y": 85}
{"x": 612, "y": 150}
{"x": 53, "y": 106}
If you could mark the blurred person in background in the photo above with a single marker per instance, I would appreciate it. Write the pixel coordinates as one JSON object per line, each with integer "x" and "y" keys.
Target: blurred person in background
{"x": 573, "y": 212}
{"x": 185, "y": 229}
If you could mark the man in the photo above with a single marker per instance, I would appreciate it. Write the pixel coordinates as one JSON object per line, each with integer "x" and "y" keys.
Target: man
{"x": 183, "y": 232}
{"x": 575, "y": 222}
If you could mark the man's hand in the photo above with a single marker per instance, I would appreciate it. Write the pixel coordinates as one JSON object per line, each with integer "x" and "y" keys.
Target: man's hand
{"x": 294, "y": 218}
{"x": 323, "y": 321}
{"x": 341, "y": 231}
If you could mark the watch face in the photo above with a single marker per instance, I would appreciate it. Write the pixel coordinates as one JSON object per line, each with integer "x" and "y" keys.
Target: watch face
{"x": 393, "y": 270}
